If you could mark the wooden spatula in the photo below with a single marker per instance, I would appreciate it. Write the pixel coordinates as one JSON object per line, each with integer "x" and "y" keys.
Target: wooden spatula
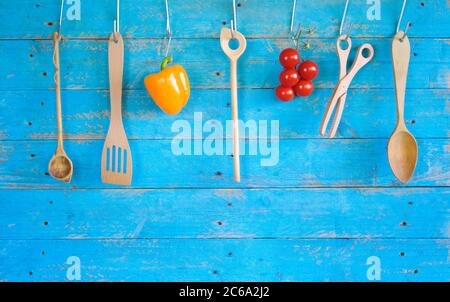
{"x": 117, "y": 164}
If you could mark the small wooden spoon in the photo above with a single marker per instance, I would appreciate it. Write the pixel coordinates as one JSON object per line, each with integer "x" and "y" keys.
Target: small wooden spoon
{"x": 60, "y": 166}
{"x": 402, "y": 146}
{"x": 226, "y": 35}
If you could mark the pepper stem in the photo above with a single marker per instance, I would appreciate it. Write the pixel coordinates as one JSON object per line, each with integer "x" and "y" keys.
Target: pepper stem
{"x": 165, "y": 62}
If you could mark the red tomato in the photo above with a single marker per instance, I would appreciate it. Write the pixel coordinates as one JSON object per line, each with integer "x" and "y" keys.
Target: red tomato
{"x": 289, "y": 77}
{"x": 308, "y": 70}
{"x": 284, "y": 94}
{"x": 304, "y": 88}
{"x": 289, "y": 58}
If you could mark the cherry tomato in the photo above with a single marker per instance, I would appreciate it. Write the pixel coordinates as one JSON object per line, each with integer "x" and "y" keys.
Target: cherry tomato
{"x": 284, "y": 94}
{"x": 308, "y": 70}
{"x": 289, "y": 77}
{"x": 289, "y": 58}
{"x": 304, "y": 88}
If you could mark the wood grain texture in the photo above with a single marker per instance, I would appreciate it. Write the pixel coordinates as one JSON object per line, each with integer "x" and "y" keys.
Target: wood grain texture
{"x": 302, "y": 163}
{"x": 225, "y": 259}
{"x": 257, "y": 18}
{"x": 225, "y": 213}
{"x": 315, "y": 216}
{"x": 84, "y": 63}
{"x": 368, "y": 113}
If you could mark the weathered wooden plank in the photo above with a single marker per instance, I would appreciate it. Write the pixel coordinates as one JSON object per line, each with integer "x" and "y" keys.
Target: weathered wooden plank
{"x": 198, "y": 18}
{"x": 228, "y": 213}
{"x": 301, "y": 163}
{"x": 369, "y": 113}
{"x": 225, "y": 260}
{"x": 84, "y": 63}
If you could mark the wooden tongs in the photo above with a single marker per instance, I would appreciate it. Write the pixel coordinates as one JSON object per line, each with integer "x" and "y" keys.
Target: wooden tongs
{"x": 364, "y": 56}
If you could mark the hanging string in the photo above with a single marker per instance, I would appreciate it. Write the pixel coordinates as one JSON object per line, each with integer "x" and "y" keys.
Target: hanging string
{"x": 294, "y": 6}
{"x": 117, "y": 21}
{"x": 60, "y": 19}
{"x": 295, "y": 37}
{"x": 400, "y": 20}
{"x": 399, "y": 23}
{"x": 234, "y": 21}
{"x": 341, "y": 28}
{"x": 56, "y": 47}
{"x": 168, "y": 29}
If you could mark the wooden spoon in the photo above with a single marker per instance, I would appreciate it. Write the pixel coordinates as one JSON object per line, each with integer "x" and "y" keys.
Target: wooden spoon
{"x": 402, "y": 146}
{"x": 60, "y": 166}
{"x": 226, "y": 35}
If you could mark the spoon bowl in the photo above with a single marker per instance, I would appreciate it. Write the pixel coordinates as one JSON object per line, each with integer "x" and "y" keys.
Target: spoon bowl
{"x": 60, "y": 168}
{"x": 402, "y": 155}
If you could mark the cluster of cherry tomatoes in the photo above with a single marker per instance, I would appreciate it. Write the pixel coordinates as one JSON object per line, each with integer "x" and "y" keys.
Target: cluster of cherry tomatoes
{"x": 295, "y": 81}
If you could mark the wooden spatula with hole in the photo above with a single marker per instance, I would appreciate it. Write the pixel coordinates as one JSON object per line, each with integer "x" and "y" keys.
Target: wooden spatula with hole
{"x": 117, "y": 164}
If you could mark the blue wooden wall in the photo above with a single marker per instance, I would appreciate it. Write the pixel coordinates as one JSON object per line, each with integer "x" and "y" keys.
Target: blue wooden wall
{"x": 319, "y": 215}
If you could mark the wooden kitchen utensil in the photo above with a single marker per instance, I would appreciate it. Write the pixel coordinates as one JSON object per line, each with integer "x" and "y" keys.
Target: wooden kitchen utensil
{"x": 340, "y": 93}
{"x": 60, "y": 166}
{"x": 402, "y": 146}
{"x": 117, "y": 162}
{"x": 226, "y": 35}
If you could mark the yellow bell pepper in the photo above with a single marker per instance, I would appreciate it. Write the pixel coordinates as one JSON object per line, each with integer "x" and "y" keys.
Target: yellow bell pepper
{"x": 169, "y": 88}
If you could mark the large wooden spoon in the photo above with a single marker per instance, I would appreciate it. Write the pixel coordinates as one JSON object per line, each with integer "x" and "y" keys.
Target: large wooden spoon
{"x": 60, "y": 166}
{"x": 402, "y": 146}
{"x": 226, "y": 35}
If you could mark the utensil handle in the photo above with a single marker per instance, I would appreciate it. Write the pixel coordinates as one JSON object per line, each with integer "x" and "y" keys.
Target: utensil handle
{"x": 401, "y": 53}
{"x": 361, "y": 60}
{"x": 235, "y": 118}
{"x": 57, "y": 79}
{"x": 115, "y": 62}
{"x": 343, "y": 54}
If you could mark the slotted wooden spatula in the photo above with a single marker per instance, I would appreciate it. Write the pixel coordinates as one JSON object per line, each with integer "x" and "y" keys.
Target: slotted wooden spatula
{"x": 117, "y": 164}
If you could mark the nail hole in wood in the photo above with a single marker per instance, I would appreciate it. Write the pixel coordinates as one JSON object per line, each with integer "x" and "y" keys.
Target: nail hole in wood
{"x": 45, "y": 223}
{"x": 219, "y": 223}
{"x": 30, "y": 273}
{"x": 32, "y": 155}
{"x": 403, "y": 223}
{"x": 218, "y": 173}
{"x": 30, "y": 123}
{"x": 44, "y": 74}
{"x": 215, "y": 272}
{"x": 415, "y": 271}
{"x": 402, "y": 254}
{"x": 50, "y": 23}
